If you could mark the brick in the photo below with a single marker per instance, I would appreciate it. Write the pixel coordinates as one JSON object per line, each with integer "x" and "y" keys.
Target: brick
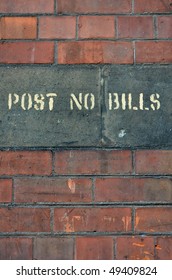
{"x": 135, "y": 27}
{"x": 25, "y": 163}
{"x": 57, "y": 27}
{"x": 96, "y": 6}
{"x": 154, "y": 52}
{"x": 163, "y": 248}
{"x": 96, "y": 27}
{"x": 27, "y": 52}
{"x": 27, "y": 7}
{"x": 94, "y": 248}
{"x": 52, "y": 190}
{"x": 92, "y": 220}
{"x": 5, "y": 190}
{"x": 95, "y": 52}
{"x": 24, "y": 220}
{"x": 152, "y": 6}
{"x": 134, "y": 248}
{"x": 53, "y": 248}
{"x": 133, "y": 190}
{"x": 154, "y": 162}
{"x": 93, "y": 162}
{"x": 18, "y": 28}
{"x": 165, "y": 27}
{"x": 15, "y": 248}
{"x": 153, "y": 219}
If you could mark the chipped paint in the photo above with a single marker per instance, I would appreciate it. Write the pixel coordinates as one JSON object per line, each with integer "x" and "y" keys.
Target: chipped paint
{"x": 71, "y": 185}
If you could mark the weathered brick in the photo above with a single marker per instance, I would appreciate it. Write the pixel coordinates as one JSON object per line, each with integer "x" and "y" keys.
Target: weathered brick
{"x": 153, "y": 219}
{"x": 163, "y": 248}
{"x": 27, "y": 52}
{"x": 165, "y": 27}
{"x": 25, "y": 163}
{"x": 154, "y": 162}
{"x": 5, "y": 190}
{"x": 15, "y": 248}
{"x": 25, "y": 6}
{"x": 134, "y": 248}
{"x": 96, "y": 6}
{"x": 133, "y": 190}
{"x": 135, "y": 27}
{"x": 24, "y": 220}
{"x": 92, "y": 219}
{"x": 154, "y": 52}
{"x": 95, "y": 52}
{"x": 18, "y": 28}
{"x": 52, "y": 190}
{"x": 94, "y": 248}
{"x": 57, "y": 27}
{"x": 93, "y": 162}
{"x": 96, "y": 27}
{"x": 53, "y": 248}
{"x": 153, "y": 6}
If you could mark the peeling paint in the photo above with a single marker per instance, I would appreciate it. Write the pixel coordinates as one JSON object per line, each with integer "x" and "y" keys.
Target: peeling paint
{"x": 72, "y": 185}
{"x": 138, "y": 244}
{"x": 126, "y": 220}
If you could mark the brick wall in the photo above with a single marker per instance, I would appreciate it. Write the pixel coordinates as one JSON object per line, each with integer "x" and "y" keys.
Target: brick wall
{"x": 83, "y": 203}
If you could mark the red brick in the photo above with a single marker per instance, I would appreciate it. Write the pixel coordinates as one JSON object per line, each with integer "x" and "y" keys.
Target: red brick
{"x": 96, "y": 27}
{"x": 5, "y": 190}
{"x": 153, "y": 219}
{"x": 92, "y": 220}
{"x": 94, "y": 248}
{"x": 95, "y": 52}
{"x": 135, "y": 27}
{"x": 15, "y": 248}
{"x": 18, "y": 28}
{"x": 57, "y": 27}
{"x": 165, "y": 27}
{"x": 96, "y": 6}
{"x": 53, "y": 248}
{"x": 52, "y": 190}
{"x": 154, "y": 52}
{"x": 25, "y": 6}
{"x": 154, "y": 162}
{"x": 93, "y": 162}
{"x": 27, "y": 52}
{"x": 163, "y": 248}
{"x": 133, "y": 190}
{"x": 152, "y": 6}
{"x": 134, "y": 248}
{"x": 24, "y": 220}
{"x": 25, "y": 163}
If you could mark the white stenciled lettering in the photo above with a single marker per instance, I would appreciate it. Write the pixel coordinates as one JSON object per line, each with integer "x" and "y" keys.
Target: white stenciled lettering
{"x": 91, "y": 104}
{"x": 51, "y": 100}
{"x": 39, "y": 102}
{"x": 12, "y": 99}
{"x": 82, "y": 101}
{"x": 156, "y": 103}
{"x": 26, "y": 101}
{"x": 113, "y": 101}
{"x": 76, "y": 101}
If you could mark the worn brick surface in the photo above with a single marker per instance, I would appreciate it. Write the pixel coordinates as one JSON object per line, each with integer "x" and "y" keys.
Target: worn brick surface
{"x": 25, "y": 163}
{"x": 154, "y": 52}
{"x": 25, "y": 6}
{"x": 27, "y": 52}
{"x": 18, "y": 28}
{"x": 153, "y": 219}
{"x": 57, "y": 27}
{"x": 52, "y": 190}
{"x": 55, "y": 248}
{"x": 134, "y": 248}
{"x": 93, "y": 162}
{"x": 94, "y": 248}
{"x": 165, "y": 27}
{"x": 13, "y": 248}
{"x": 133, "y": 190}
{"x": 152, "y": 6}
{"x": 24, "y": 220}
{"x": 92, "y": 219}
{"x": 96, "y": 6}
{"x": 154, "y": 162}
{"x": 135, "y": 27}
{"x": 163, "y": 248}
{"x": 95, "y": 52}
{"x": 96, "y": 27}
{"x": 5, "y": 190}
